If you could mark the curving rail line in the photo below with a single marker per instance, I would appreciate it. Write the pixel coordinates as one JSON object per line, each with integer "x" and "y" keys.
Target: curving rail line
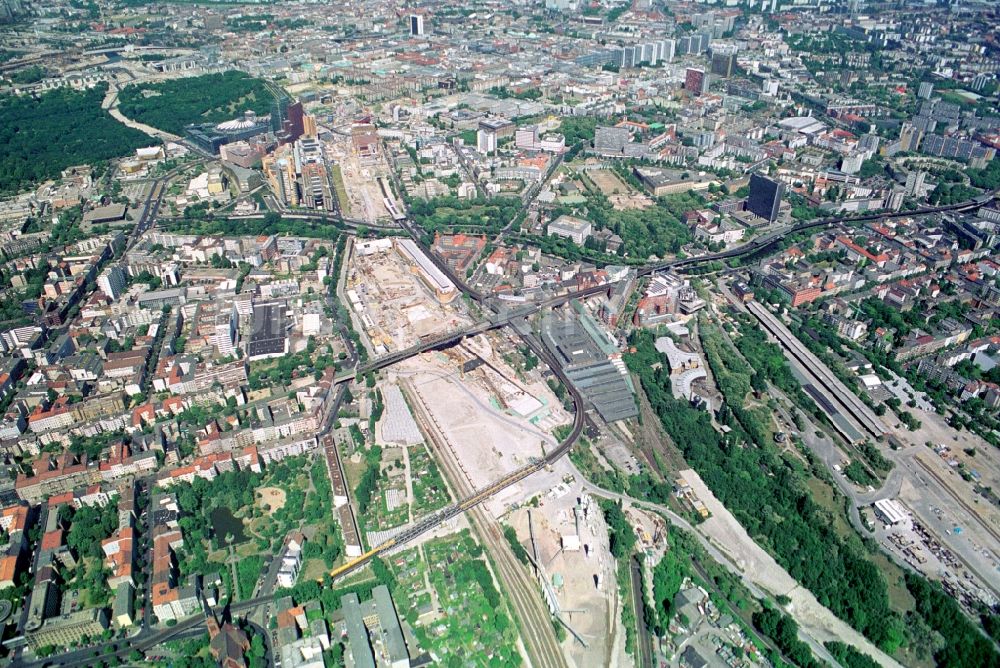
{"x": 477, "y": 497}
{"x": 480, "y": 495}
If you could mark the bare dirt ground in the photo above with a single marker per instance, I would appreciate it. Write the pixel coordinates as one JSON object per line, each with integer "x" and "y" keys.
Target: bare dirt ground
{"x": 399, "y": 305}
{"x": 633, "y": 201}
{"x": 981, "y": 456}
{"x": 271, "y": 498}
{"x": 608, "y": 182}
{"x": 571, "y": 576}
{"x": 486, "y": 441}
{"x": 730, "y": 537}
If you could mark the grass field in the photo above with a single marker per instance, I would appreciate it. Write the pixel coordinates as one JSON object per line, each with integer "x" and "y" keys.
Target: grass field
{"x": 341, "y": 189}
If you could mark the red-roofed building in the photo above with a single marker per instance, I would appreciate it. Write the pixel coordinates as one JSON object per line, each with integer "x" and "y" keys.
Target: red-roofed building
{"x": 856, "y": 253}
{"x": 118, "y": 552}
{"x": 206, "y": 467}
{"x": 143, "y": 415}
{"x": 52, "y": 540}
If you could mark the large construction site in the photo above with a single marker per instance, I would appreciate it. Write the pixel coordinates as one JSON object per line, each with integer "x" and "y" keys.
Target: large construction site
{"x": 359, "y": 175}
{"x": 398, "y": 296}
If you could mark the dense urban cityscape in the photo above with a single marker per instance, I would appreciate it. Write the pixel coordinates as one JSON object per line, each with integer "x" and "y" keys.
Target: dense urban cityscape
{"x": 541, "y": 332}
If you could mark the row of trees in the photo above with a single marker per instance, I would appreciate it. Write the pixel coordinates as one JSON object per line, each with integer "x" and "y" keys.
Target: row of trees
{"x": 783, "y": 630}
{"x": 768, "y": 361}
{"x": 326, "y": 543}
{"x": 369, "y": 479}
{"x": 302, "y": 363}
{"x": 271, "y": 223}
{"x": 848, "y": 657}
{"x": 621, "y": 536}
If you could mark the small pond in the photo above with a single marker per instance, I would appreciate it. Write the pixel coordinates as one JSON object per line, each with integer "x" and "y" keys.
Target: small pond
{"x": 224, "y": 523}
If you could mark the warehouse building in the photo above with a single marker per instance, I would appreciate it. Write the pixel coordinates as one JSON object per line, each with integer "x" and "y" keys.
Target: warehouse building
{"x": 592, "y": 361}
{"x": 891, "y": 512}
{"x": 432, "y": 277}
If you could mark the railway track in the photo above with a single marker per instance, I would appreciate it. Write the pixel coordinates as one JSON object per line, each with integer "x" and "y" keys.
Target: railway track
{"x": 536, "y": 629}
{"x": 747, "y": 249}
{"x": 841, "y": 398}
{"x": 478, "y": 496}
{"x": 642, "y": 639}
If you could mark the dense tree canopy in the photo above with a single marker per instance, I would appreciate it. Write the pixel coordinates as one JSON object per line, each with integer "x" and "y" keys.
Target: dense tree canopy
{"x": 767, "y": 495}
{"x": 785, "y": 632}
{"x": 963, "y": 644}
{"x": 210, "y": 98}
{"x": 41, "y": 136}
{"x": 271, "y": 223}
{"x": 464, "y": 215}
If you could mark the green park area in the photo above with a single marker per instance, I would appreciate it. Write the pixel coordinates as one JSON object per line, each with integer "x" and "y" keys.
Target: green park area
{"x": 382, "y": 489}
{"x": 43, "y": 135}
{"x": 240, "y": 516}
{"x": 210, "y": 98}
{"x": 657, "y": 230}
{"x": 450, "y": 214}
{"x": 429, "y": 491}
{"x": 386, "y": 502}
{"x": 791, "y": 524}
{"x": 444, "y": 591}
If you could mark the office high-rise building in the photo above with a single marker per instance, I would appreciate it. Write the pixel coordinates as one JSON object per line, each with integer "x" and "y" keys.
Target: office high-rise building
{"x": 765, "y": 197}
{"x": 112, "y": 282}
{"x": 416, "y": 25}
{"x": 287, "y": 119}
{"x": 695, "y": 81}
{"x": 723, "y": 61}
{"x": 486, "y": 141}
{"x": 915, "y": 182}
{"x": 527, "y": 137}
{"x": 309, "y": 126}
